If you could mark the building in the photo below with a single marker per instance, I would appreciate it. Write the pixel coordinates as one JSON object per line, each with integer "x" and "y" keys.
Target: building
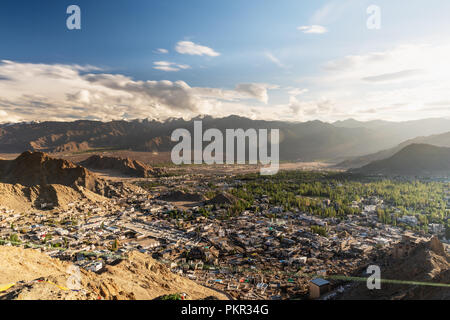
{"x": 318, "y": 287}
{"x": 409, "y": 220}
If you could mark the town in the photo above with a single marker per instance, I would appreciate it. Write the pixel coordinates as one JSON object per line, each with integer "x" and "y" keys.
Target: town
{"x": 265, "y": 251}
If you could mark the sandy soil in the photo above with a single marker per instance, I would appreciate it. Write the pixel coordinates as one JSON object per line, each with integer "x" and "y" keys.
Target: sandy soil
{"x": 139, "y": 277}
{"x": 22, "y": 199}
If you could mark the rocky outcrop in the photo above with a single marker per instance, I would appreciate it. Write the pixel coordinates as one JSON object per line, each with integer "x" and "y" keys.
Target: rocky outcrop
{"x": 181, "y": 196}
{"x": 35, "y": 178}
{"x": 124, "y": 166}
{"x": 223, "y": 199}
{"x": 33, "y": 275}
{"x": 427, "y": 263}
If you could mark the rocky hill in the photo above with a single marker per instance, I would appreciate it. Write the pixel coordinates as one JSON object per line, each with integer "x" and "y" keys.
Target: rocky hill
{"x": 182, "y": 196}
{"x": 28, "y": 274}
{"x": 223, "y": 198}
{"x": 413, "y": 160}
{"x": 37, "y": 168}
{"x": 124, "y": 166}
{"x": 35, "y": 178}
{"x": 427, "y": 263}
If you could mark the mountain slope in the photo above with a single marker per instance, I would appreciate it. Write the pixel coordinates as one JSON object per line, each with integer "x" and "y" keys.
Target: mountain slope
{"x": 427, "y": 263}
{"x": 124, "y": 166}
{"x": 37, "y": 168}
{"x": 306, "y": 141}
{"x": 440, "y": 140}
{"x": 352, "y": 123}
{"x": 414, "y": 128}
{"x": 35, "y": 178}
{"x": 413, "y": 160}
{"x": 137, "y": 277}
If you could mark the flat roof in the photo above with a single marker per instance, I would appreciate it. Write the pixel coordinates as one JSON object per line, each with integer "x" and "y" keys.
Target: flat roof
{"x": 320, "y": 282}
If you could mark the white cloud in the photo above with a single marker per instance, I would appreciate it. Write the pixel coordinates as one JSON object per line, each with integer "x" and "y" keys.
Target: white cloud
{"x": 4, "y": 117}
{"x": 169, "y": 66}
{"x": 393, "y": 76}
{"x": 332, "y": 11}
{"x": 191, "y": 48}
{"x": 274, "y": 59}
{"x": 316, "y": 29}
{"x": 162, "y": 51}
{"x": 394, "y": 84}
{"x": 296, "y": 91}
{"x": 312, "y": 109}
{"x": 256, "y": 90}
{"x": 65, "y": 93}
{"x": 404, "y": 82}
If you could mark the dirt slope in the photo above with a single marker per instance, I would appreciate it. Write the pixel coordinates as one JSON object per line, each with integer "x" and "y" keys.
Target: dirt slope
{"x": 427, "y": 263}
{"x": 178, "y": 195}
{"x": 223, "y": 198}
{"x": 139, "y": 277}
{"x": 21, "y": 198}
{"x": 35, "y": 178}
{"x": 37, "y": 168}
{"x": 124, "y": 166}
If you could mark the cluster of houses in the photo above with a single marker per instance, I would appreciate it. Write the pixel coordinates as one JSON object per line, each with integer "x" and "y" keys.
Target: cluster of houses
{"x": 250, "y": 256}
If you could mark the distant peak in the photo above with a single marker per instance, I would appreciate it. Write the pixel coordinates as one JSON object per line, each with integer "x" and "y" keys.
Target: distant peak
{"x": 33, "y": 155}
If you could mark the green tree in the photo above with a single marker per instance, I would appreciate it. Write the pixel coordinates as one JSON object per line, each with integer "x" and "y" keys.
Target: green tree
{"x": 14, "y": 238}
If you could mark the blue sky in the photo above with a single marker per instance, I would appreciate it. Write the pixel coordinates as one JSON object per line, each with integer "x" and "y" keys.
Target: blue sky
{"x": 263, "y": 64}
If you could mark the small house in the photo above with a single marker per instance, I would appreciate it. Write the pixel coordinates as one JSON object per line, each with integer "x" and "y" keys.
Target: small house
{"x": 318, "y": 287}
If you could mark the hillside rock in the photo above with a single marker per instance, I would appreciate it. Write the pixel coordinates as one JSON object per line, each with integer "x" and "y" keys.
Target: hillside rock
{"x": 72, "y": 147}
{"x": 37, "y": 276}
{"x": 182, "y": 196}
{"x": 37, "y": 168}
{"x": 223, "y": 198}
{"x": 427, "y": 263}
{"x": 34, "y": 178}
{"x": 124, "y": 166}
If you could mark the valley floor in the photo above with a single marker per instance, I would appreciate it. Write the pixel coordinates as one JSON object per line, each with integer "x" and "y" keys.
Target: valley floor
{"x": 249, "y": 237}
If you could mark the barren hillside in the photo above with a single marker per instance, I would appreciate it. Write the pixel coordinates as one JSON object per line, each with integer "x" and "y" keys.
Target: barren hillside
{"x": 32, "y": 275}
{"x": 124, "y": 166}
{"x": 35, "y": 178}
{"x": 428, "y": 263}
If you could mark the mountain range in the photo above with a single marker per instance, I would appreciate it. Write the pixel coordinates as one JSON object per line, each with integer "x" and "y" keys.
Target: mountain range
{"x": 440, "y": 140}
{"x": 299, "y": 141}
{"x": 413, "y": 160}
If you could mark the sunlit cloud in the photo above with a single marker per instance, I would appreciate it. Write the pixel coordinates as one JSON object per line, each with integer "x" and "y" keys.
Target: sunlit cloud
{"x": 162, "y": 51}
{"x": 398, "y": 83}
{"x": 296, "y": 91}
{"x": 64, "y": 93}
{"x": 191, "y": 48}
{"x": 274, "y": 59}
{"x": 393, "y": 76}
{"x": 314, "y": 29}
{"x": 256, "y": 90}
{"x": 169, "y": 66}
